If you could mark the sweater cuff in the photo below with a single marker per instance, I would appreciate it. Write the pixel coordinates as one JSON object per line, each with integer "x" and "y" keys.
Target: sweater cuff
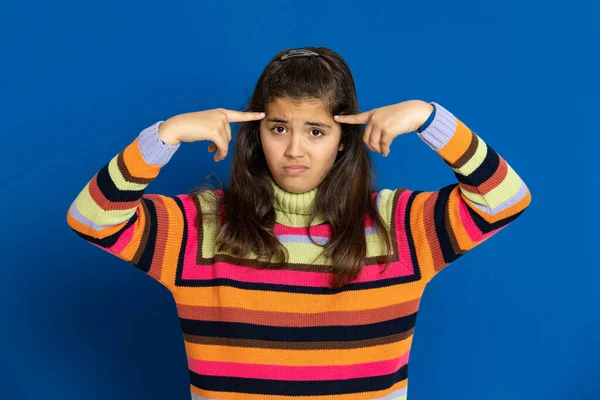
{"x": 153, "y": 149}
{"x": 429, "y": 119}
{"x": 440, "y": 129}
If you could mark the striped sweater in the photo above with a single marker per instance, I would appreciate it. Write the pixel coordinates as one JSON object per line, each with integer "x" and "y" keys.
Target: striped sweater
{"x": 284, "y": 334}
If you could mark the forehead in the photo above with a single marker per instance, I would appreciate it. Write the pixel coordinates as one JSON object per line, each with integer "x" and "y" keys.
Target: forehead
{"x": 287, "y": 107}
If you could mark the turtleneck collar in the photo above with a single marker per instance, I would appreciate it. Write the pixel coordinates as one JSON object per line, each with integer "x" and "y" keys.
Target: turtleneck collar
{"x": 293, "y": 209}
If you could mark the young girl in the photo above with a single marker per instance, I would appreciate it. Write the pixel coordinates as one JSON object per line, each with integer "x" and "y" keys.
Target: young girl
{"x": 299, "y": 280}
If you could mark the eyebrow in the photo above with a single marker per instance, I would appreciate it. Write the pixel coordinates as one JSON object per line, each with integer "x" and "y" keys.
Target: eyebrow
{"x": 309, "y": 123}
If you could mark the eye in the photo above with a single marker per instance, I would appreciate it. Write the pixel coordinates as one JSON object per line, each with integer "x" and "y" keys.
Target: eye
{"x": 273, "y": 129}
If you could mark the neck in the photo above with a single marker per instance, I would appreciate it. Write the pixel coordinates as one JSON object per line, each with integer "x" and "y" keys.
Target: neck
{"x": 294, "y": 209}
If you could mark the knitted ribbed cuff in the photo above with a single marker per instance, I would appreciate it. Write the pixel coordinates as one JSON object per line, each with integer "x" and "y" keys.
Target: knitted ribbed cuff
{"x": 440, "y": 130}
{"x": 428, "y": 121}
{"x": 154, "y": 150}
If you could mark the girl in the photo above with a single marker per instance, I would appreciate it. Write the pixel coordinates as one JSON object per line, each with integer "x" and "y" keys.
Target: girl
{"x": 299, "y": 280}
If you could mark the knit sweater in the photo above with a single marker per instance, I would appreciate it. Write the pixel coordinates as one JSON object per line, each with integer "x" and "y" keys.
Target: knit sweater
{"x": 284, "y": 333}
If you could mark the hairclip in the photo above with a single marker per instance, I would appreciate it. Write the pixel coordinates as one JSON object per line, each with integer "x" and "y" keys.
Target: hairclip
{"x": 298, "y": 53}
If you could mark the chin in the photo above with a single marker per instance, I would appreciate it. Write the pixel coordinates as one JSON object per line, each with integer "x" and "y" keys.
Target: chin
{"x": 292, "y": 186}
{"x": 299, "y": 188}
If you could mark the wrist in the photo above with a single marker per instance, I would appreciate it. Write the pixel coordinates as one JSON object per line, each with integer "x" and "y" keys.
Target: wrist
{"x": 166, "y": 135}
{"x": 425, "y": 115}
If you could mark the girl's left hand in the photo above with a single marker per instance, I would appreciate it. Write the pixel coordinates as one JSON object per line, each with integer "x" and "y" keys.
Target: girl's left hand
{"x": 385, "y": 123}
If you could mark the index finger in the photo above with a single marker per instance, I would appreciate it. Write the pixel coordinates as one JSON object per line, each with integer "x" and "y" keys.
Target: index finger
{"x": 362, "y": 118}
{"x": 241, "y": 116}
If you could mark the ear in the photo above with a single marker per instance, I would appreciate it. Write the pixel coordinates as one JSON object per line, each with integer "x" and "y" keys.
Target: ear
{"x": 341, "y": 147}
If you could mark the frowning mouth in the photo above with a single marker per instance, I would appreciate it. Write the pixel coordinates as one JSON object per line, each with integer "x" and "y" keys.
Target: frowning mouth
{"x": 295, "y": 170}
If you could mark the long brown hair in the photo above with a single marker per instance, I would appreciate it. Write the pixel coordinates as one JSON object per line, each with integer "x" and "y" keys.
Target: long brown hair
{"x": 344, "y": 196}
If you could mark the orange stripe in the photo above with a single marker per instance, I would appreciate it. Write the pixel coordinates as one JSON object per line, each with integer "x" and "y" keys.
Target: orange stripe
{"x": 132, "y": 247}
{"x": 174, "y": 237}
{"x": 458, "y": 144}
{"x": 227, "y": 296}
{"x": 299, "y": 357}
{"x": 78, "y": 226}
{"x": 136, "y": 164}
{"x": 419, "y": 232}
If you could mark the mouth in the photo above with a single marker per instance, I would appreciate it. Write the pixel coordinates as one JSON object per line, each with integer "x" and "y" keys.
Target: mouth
{"x": 295, "y": 170}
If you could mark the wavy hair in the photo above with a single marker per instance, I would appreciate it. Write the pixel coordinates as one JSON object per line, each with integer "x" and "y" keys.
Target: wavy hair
{"x": 246, "y": 206}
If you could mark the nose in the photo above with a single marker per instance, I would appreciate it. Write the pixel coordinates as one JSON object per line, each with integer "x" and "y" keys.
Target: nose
{"x": 295, "y": 148}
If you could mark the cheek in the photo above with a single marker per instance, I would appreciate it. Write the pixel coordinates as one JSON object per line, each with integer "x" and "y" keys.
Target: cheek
{"x": 266, "y": 143}
{"x": 269, "y": 148}
{"x": 334, "y": 151}
{"x": 332, "y": 158}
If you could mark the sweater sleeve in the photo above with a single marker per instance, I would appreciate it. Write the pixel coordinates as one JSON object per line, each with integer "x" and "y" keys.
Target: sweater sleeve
{"x": 433, "y": 229}
{"x": 113, "y": 213}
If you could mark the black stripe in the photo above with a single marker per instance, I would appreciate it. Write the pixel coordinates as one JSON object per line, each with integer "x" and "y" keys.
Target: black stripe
{"x": 289, "y": 288}
{"x": 145, "y": 261}
{"x": 242, "y": 330}
{"x": 485, "y": 226}
{"x": 409, "y": 236}
{"x": 111, "y": 192}
{"x": 109, "y": 240}
{"x": 179, "y": 281}
{"x": 485, "y": 171}
{"x": 439, "y": 220}
{"x": 297, "y": 388}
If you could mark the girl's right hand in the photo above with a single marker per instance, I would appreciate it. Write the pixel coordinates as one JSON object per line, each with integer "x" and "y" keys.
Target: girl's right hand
{"x": 210, "y": 125}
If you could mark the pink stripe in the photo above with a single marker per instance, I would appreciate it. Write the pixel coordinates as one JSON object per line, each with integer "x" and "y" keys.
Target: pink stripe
{"x": 473, "y": 231}
{"x": 124, "y": 239}
{"x": 191, "y": 271}
{"x": 294, "y": 373}
{"x": 221, "y": 269}
{"x": 315, "y": 231}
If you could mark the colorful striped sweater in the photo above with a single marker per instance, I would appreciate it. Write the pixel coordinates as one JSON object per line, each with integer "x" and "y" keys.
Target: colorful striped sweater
{"x": 284, "y": 334}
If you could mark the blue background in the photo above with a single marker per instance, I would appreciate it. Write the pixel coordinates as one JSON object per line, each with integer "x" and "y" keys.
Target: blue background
{"x": 516, "y": 318}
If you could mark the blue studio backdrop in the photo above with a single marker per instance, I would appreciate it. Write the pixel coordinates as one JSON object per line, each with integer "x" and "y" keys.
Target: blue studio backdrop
{"x": 515, "y": 318}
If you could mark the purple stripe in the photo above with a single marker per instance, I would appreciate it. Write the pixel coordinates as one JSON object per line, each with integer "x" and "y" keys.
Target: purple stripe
{"x": 441, "y": 129}
{"x": 507, "y": 203}
{"x": 317, "y": 239}
{"x": 154, "y": 151}
{"x": 87, "y": 222}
